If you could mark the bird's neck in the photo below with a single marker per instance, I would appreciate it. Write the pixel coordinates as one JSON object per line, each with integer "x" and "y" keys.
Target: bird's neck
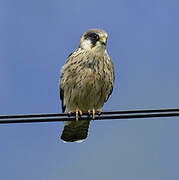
{"x": 98, "y": 50}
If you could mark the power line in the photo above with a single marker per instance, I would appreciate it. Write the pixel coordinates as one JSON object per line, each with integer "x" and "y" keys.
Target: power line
{"x": 129, "y": 114}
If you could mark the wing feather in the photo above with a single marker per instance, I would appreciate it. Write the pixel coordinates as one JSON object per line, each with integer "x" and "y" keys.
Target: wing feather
{"x": 110, "y": 67}
{"x": 62, "y": 99}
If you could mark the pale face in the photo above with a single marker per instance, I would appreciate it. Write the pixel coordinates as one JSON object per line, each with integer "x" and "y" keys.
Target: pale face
{"x": 94, "y": 40}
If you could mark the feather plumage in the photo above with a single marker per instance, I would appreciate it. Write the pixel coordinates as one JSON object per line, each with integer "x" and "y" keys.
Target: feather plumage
{"x": 86, "y": 82}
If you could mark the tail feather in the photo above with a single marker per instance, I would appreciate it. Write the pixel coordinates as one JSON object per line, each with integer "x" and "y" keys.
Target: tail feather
{"x": 75, "y": 131}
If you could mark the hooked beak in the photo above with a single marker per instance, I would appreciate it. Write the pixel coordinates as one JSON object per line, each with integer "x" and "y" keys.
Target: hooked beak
{"x": 103, "y": 41}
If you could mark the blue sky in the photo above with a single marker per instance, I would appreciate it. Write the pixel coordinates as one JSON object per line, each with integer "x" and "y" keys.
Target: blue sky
{"x": 36, "y": 38}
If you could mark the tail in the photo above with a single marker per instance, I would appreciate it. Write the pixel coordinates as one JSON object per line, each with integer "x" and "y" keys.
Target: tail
{"x": 75, "y": 131}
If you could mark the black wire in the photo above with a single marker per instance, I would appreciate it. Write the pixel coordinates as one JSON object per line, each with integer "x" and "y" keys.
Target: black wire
{"x": 105, "y": 112}
{"x": 142, "y": 111}
{"x": 130, "y": 114}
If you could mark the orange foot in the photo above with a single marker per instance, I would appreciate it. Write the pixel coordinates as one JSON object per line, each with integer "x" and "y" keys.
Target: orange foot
{"x": 99, "y": 111}
{"x": 93, "y": 112}
{"x": 77, "y": 112}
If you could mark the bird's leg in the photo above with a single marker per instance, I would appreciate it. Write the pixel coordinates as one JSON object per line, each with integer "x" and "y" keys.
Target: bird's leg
{"x": 76, "y": 114}
{"x": 93, "y": 113}
{"x": 78, "y": 111}
{"x": 99, "y": 111}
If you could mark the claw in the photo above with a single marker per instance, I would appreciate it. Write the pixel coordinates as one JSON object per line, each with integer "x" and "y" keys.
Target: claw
{"x": 89, "y": 112}
{"x": 99, "y": 111}
{"x": 70, "y": 112}
{"x": 77, "y": 113}
{"x": 93, "y": 113}
{"x": 80, "y": 111}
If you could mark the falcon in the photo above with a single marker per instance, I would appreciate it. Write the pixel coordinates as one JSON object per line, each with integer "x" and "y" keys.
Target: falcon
{"x": 86, "y": 82}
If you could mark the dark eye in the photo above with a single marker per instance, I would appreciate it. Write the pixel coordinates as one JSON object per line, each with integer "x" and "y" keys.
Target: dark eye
{"x": 92, "y": 36}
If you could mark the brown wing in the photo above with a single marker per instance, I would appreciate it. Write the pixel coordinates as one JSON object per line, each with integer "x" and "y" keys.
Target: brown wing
{"x": 110, "y": 68}
{"x": 62, "y": 99}
{"x": 70, "y": 58}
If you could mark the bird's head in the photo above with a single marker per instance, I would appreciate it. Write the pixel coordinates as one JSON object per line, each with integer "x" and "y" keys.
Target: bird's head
{"x": 95, "y": 40}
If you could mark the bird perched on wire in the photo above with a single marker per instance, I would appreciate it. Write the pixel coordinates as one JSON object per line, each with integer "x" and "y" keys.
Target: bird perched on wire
{"x": 86, "y": 82}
